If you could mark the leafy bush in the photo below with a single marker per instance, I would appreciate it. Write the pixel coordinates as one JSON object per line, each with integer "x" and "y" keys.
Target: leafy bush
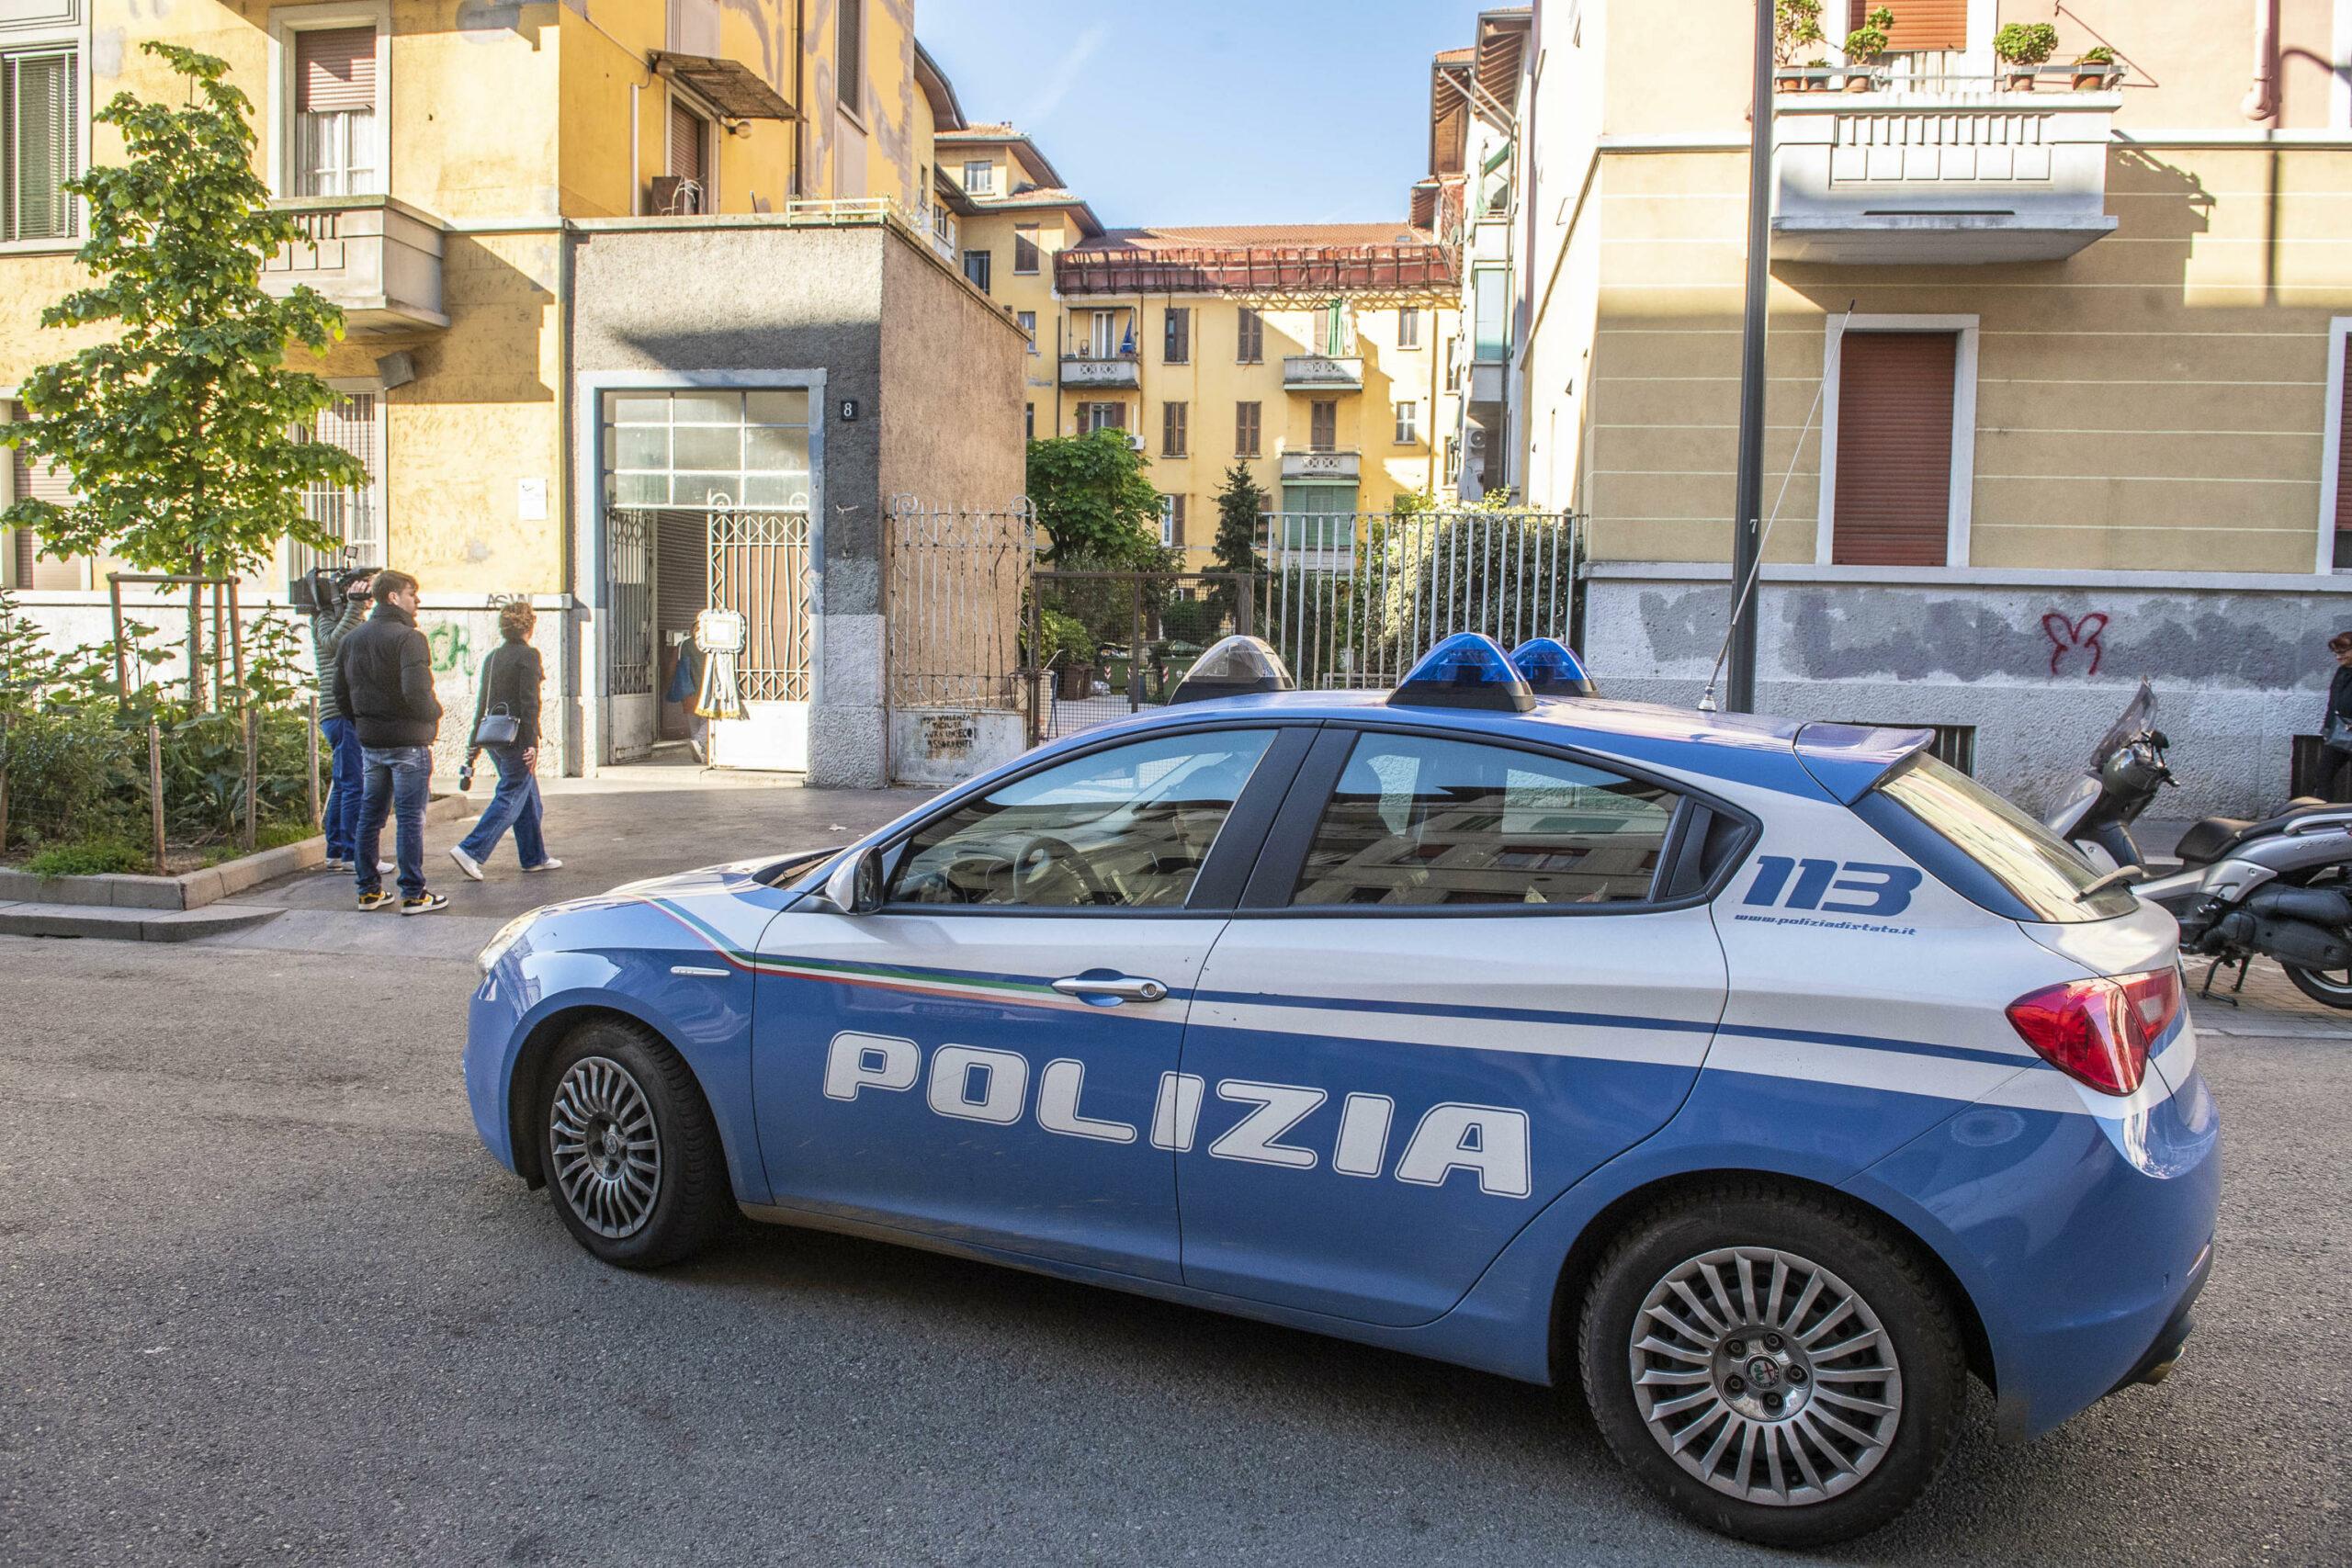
{"x": 1795, "y": 23}
{"x": 2025, "y": 43}
{"x": 89, "y": 857}
{"x": 1867, "y": 43}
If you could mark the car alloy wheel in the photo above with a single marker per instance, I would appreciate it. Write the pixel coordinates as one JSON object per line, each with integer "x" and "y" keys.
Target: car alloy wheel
{"x": 1765, "y": 1375}
{"x": 606, "y": 1147}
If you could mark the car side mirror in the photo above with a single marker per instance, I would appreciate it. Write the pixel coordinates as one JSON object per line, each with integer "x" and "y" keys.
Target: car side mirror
{"x": 854, "y": 886}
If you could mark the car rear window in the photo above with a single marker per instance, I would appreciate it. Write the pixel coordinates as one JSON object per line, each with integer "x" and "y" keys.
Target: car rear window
{"x": 1992, "y": 839}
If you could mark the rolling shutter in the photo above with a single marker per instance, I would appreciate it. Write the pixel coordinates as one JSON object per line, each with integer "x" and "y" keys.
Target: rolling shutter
{"x": 2343, "y": 557}
{"x": 335, "y": 71}
{"x": 36, "y": 480}
{"x": 1918, "y": 24}
{"x": 686, "y": 142}
{"x": 1894, "y": 407}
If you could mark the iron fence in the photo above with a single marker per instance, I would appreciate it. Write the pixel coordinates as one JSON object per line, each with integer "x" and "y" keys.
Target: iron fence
{"x": 1352, "y": 599}
{"x": 761, "y": 567}
{"x": 955, "y": 586}
{"x": 1107, "y": 644}
{"x": 628, "y": 565}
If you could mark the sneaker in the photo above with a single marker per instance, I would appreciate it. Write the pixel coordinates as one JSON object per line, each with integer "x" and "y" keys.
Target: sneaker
{"x": 423, "y": 904}
{"x": 550, "y": 864}
{"x": 375, "y": 900}
{"x": 332, "y": 864}
{"x": 384, "y": 865}
{"x": 468, "y": 865}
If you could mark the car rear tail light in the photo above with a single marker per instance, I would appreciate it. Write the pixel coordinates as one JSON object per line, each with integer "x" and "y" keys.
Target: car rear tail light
{"x": 2100, "y": 1031}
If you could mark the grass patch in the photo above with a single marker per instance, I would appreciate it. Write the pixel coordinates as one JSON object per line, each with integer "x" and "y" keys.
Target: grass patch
{"x": 90, "y": 857}
{"x": 268, "y": 836}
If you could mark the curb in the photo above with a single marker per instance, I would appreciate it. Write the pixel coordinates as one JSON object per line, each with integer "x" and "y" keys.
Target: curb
{"x": 193, "y": 890}
{"x": 129, "y": 925}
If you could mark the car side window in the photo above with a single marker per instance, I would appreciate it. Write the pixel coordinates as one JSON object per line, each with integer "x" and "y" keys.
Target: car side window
{"x": 1417, "y": 820}
{"x": 1128, "y": 828}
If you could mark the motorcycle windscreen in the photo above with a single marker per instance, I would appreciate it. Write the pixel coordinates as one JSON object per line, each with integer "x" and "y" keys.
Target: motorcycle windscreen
{"x": 2139, "y": 716}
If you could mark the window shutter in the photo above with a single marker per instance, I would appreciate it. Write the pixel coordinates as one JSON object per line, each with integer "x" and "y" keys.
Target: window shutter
{"x": 1172, "y": 429}
{"x": 1245, "y": 430}
{"x": 1918, "y": 24}
{"x": 1894, "y": 407}
{"x": 37, "y": 120}
{"x": 1176, "y": 521}
{"x": 849, "y": 52}
{"x": 36, "y": 480}
{"x": 1252, "y": 347}
{"x": 1323, "y": 431}
{"x": 2344, "y": 466}
{"x": 686, "y": 142}
{"x": 334, "y": 70}
{"x": 1176, "y": 345}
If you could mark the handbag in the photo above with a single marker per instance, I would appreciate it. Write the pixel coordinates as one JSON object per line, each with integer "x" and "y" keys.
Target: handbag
{"x": 2339, "y": 732}
{"x": 497, "y": 727}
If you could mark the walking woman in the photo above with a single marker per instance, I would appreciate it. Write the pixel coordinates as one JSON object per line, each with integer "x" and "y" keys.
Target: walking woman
{"x": 510, "y": 686}
{"x": 2336, "y": 724}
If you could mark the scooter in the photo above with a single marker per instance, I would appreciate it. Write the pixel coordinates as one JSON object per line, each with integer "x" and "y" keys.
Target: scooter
{"x": 2280, "y": 888}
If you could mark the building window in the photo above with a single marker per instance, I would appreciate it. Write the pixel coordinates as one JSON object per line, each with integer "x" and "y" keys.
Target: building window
{"x": 40, "y": 137}
{"x": 1092, "y": 417}
{"x": 687, "y": 190}
{"x": 1920, "y": 26}
{"x": 1452, "y": 460}
{"x": 1898, "y": 439}
{"x": 36, "y": 479}
{"x": 1408, "y": 326}
{"x": 1028, "y": 320}
{"x": 1491, "y": 298}
{"x": 1029, "y": 422}
{"x": 1251, "y": 349}
{"x": 976, "y": 268}
{"x": 1171, "y": 520}
{"x": 1172, "y": 418}
{"x": 1104, "y": 338}
{"x": 1024, "y": 247}
{"x": 1245, "y": 430}
{"x": 1176, "y": 343}
{"x": 849, "y": 54}
{"x": 980, "y": 177}
{"x": 2336, "y": 457}
{"x": 1409, "y": 423}
{"x": 1318, "y": 517}
{"x": 1323, "y": 425}
{"x": 354, "y": 517}
{"x": 336, "y": 147}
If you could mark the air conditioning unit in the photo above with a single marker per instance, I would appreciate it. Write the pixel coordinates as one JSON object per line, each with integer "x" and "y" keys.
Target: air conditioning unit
{"x": 1477, "y": 442}
{"x": 675, "y": 195}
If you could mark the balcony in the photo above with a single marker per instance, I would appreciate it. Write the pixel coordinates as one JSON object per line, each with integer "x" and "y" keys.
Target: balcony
{"x": 1113, "y": 370}
{"x": 1337, "y": 468}
{"x": 1939, "y": 171}
{"x": 377, "y": 258}
{"x": 1322, "y": 373}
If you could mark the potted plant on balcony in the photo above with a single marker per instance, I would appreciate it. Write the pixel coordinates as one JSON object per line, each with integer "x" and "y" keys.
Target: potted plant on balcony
{"x": 2021, "y": 46}
{"x": 1865, "y": 47}
{"x": 1795, "y": 24}
{"x": 2093, "y": 67}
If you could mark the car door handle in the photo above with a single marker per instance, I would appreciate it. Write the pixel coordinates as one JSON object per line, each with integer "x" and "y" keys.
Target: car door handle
{"x": 1122, "y": 987}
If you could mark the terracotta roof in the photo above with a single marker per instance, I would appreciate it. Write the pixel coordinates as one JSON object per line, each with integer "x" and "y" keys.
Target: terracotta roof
{"x": 1238, "y": 235}
{"x": 1041, "y": 195}
{"x": 980, "y": 130}
{"x": 1461, "y": 56}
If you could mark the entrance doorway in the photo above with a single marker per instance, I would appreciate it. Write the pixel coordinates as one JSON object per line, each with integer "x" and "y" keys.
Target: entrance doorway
{"x": 707, "y": 507}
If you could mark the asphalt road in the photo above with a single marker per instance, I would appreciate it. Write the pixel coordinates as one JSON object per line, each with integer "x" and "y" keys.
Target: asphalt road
{"x": 263, "y": 1298}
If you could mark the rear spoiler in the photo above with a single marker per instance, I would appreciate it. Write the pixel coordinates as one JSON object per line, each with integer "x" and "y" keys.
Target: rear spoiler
{"x": 1847, "y": 759}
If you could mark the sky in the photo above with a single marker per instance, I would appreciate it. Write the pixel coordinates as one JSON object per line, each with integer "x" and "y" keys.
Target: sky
{"x": 1209, "y": 111}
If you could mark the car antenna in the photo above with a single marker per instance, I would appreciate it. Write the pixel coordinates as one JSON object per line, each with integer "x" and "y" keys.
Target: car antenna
{"x": 1739, "y": 603}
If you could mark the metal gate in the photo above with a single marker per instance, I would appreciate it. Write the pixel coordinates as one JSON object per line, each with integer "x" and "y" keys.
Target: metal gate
{"x": 629, "y": 662}
{"x": 1352, "y": 599}
{"x": 762, "y": 568}
{"x": 954, "y": 603}
{"x": 1107, "y": 644}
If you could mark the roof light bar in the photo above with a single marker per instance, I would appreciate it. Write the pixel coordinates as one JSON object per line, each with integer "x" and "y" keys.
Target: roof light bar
{"x": 1552, "y": 669}
{"x": 1466, "y": 671}
{"x": 1236, "y": 667}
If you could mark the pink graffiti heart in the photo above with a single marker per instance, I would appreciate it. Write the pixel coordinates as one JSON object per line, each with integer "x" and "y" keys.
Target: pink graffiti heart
{"x": 2066, "y": 636}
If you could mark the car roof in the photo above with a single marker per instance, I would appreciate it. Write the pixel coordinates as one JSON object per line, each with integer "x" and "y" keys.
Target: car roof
{"x": 1810, "y": 758}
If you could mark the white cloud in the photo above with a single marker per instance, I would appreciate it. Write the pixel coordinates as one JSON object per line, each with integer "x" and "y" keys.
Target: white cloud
{"x": 1064, "y": 76}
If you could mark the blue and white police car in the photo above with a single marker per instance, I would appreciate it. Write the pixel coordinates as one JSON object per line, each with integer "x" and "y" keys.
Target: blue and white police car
{"x": 1766, "y": 1079}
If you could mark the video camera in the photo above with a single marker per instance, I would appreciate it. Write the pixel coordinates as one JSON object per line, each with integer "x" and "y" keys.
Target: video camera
{"x": 323, "y": 589}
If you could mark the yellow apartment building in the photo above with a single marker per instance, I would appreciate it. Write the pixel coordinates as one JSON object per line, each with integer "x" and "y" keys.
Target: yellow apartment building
{"x": 2055, "y": 373}
{"x": 643, "y": 306}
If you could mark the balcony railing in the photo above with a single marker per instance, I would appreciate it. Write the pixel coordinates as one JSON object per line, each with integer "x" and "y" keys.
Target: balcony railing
{"x": 1323, "y": 372}
{"x": 1121, "y": 370}
{"x": 377, "y": 258}
{"x": 1938, "y": 168}
{"x": 1321, "y": 465}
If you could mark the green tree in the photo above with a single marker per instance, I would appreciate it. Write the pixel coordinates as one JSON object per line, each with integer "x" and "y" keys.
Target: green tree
{"x": 1240, "y": 509}
{"x": 1091, "y": 498}
{"x": 180, "y": 431}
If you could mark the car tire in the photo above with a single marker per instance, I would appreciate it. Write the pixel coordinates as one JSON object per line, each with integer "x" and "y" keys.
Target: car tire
{"x": 632, "y": 1158}
{"x": 1792, "y": 1475}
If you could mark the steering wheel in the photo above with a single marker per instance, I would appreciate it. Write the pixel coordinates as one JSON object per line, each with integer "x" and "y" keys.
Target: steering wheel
{"x": 1044, "y": 850}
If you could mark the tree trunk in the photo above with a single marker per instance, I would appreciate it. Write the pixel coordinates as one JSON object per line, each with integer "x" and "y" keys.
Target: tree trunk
{"x": 194, "y": 647}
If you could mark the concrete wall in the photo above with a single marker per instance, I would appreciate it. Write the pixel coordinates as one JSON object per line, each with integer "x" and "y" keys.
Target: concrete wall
{"x": 2039, "y": 669}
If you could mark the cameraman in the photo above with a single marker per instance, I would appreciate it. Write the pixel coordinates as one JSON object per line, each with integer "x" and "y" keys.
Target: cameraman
{"x": 338, "y": 603}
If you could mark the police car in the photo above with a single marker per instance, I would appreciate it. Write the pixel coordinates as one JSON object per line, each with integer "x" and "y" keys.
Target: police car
{"x": 1766, "y": 1080}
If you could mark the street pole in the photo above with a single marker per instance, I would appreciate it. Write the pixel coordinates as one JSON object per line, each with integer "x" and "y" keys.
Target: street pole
{"x": 1747, "y": 504}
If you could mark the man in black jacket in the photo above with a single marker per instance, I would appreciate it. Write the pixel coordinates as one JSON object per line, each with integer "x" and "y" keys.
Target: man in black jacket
{"x": 383, "y": 683}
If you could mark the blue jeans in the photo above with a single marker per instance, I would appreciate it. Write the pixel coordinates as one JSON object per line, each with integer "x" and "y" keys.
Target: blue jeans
{"x": 516, "y": 806}
{"x": 397, "y": 781}
{"x": 345, "y": 788}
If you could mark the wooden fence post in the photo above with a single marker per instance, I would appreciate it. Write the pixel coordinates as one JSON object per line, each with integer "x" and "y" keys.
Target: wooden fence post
{"x": 155, "y": 789}
{"x": 250, "y": 722}
{"x": 312, "y": 746}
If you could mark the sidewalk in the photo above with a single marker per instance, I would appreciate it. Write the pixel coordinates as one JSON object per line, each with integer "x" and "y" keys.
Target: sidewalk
{"x": 626, "y": 824}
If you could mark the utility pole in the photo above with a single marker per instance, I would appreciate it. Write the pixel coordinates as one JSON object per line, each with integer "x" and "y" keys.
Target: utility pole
{"x": 1748, "y": 505}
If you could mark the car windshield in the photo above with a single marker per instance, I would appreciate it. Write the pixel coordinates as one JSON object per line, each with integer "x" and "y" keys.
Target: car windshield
{"x": 2018, "y": 853}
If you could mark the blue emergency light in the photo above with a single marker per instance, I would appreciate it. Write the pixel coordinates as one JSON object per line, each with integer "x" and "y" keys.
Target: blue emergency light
{"x": 1466, "y": 671}
{"x": 1552, "y": 669}
{"x": 1234, "y": 667}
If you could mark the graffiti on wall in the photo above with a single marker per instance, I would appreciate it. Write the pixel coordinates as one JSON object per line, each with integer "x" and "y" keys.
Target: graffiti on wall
{"x": 2079, "y": 638}
{"x": 452, "y": 642}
